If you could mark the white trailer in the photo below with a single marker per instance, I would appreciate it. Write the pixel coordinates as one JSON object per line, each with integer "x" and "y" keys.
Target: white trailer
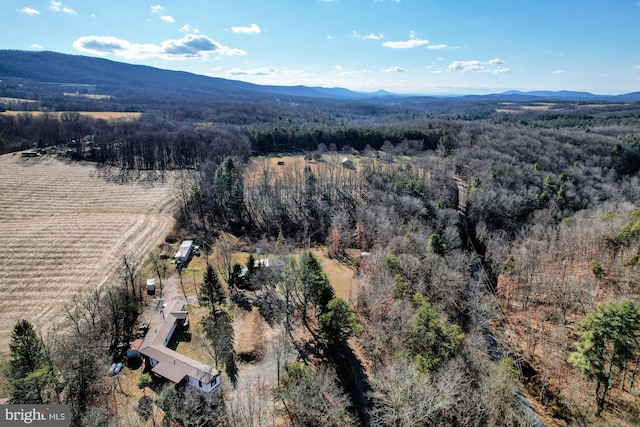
{"x": 184, "y": 252}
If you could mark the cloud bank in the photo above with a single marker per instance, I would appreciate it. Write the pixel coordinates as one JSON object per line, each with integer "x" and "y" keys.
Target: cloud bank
{"x": 189, "y": 46}
{"x": 475, "y": 66}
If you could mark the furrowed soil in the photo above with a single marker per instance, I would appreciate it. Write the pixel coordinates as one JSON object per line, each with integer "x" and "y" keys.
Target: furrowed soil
{"x": 64, "y": 228}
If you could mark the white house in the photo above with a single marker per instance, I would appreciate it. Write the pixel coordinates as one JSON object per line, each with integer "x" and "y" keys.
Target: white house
{"x": 170, "y": 364}
{"x": 272, "y": 264}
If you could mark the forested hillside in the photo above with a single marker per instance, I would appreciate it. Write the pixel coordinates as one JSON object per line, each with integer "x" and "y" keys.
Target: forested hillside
{"x": 463, "y": 305}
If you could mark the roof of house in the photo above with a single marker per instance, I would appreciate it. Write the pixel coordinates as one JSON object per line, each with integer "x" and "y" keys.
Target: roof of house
{"x": 269, "y": 262}
{"x": 171, "y": 364}
{"x": 272, "y": 263}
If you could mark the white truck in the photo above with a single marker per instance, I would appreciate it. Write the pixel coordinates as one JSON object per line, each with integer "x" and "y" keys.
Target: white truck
{"x": 184, "y": 252}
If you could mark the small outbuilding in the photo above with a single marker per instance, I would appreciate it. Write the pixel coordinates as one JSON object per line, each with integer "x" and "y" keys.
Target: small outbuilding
{"x": 347, "y": 163}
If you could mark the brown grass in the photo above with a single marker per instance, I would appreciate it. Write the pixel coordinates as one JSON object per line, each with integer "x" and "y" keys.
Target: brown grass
{"x": 292, "y": 165}
{"x": 249, "y": 330}
{"x": 86, "y": 95}
{"x": 340, "y": 274}
{"x": 64, "y": 230}
{"x": 106, "y": 115}
{"x": 16, "y": 101}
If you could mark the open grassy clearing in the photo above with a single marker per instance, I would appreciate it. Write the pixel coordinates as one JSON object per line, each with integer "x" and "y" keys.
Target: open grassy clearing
{"x": 291, "y": 165}
{"x": 106, "y": 115}
{"x": 86, "y": 95}
{"x": 340, "y": 275}
{"x": 64, "y": 230}
{"x": 16, "y": 101}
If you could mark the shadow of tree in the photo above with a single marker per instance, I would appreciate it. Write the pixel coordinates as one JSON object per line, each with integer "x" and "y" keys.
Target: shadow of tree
{"x": 353, "y": 378}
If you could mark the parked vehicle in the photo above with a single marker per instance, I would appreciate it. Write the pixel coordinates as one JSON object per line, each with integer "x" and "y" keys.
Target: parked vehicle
{"x": 151, "y": 286}
{"x": 142, "y": 330}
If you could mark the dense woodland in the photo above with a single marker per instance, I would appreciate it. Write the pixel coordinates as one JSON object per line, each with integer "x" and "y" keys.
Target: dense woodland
{"x": 469, "y": 310}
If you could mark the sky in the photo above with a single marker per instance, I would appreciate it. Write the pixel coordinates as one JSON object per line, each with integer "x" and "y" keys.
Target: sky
{"x": 402, "y": 46}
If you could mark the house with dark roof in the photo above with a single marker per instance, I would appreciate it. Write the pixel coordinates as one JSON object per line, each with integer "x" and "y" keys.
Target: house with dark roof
{"x": 170, "y": 364}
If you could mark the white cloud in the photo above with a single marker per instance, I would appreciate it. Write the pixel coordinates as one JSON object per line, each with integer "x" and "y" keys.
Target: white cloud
{"x": 371, "y": 36}
{"x": 189, "y": 46}
{"x": 57, "y": 6}
{"x": 294, "y": 73}
{"x": 353, "y": 72}
{"x": 413, "y": 41}
{"x": 394, "y": 70}
{"x": 168, "y": 18}
{"x": 467, "y": 66}
{"x": 36, "y": 46}
{"x": 409, "y": 44}
{"x": 28, "y": 11}
{"x": 252, "y": 29}
{"x": 186, "y": 28}
{"x": 437, "y": 46}
{"x": 636, "y": 69}
{"x": 157, "y": 9}
{"x": 557, "y": 72}
{"x": 264, "y": 71}
{"x": 475, "y": 66}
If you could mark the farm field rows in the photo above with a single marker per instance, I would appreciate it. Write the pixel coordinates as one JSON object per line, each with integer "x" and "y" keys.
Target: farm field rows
{"x": 64, "y": 229}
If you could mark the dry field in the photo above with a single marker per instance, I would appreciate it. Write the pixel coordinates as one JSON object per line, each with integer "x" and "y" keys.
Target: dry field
{"x": 86, "y": 95}
{"x": 64, "y": 228}
{"x": 513, "y": 108}
{"x": 293, "y": 165}
{"x": 106, "y": 115}
{"x": 16, "y": 101}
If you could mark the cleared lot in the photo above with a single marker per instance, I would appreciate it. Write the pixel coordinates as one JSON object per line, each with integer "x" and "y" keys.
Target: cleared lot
{"x": 64, "y": 228}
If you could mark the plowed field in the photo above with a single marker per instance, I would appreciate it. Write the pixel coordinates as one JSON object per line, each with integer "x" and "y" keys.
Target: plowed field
{"x": 64, "y": 228}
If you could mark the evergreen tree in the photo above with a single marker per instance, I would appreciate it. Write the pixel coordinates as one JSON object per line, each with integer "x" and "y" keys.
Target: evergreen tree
{"x": 316, "y": 288}
{"x": 229, "y": 190}
{"x": 607, "y": 340}
{"x": 30, "y": 376}
{"x": 251, "y": 265}
{"x": 211, "y": 292}
{"x": 338, "y": 322}
{"x": 219, "y": 332}
{"x": 431, "y": 338}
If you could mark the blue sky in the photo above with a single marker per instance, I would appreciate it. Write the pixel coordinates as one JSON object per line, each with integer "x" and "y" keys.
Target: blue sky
{"x": 404, "y": 46}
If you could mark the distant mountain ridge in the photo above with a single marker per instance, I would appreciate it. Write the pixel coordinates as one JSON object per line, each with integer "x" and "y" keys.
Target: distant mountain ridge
{"x": 53, "y": 67}
{"x": 117, "y": 77}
